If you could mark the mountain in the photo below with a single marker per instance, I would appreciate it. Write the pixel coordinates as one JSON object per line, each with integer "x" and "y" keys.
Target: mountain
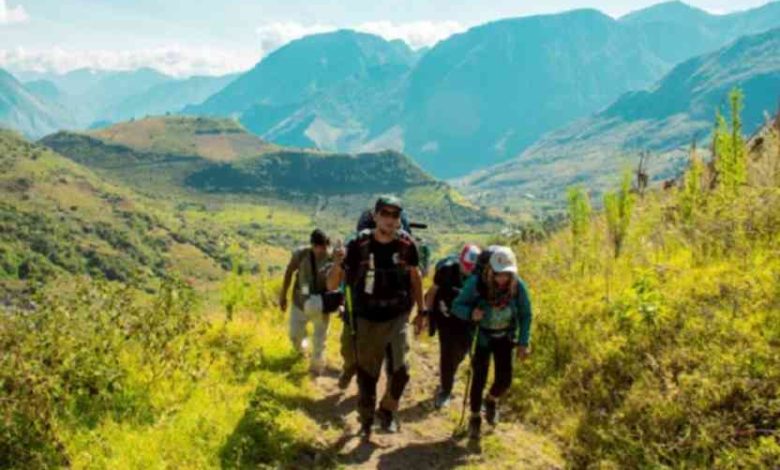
{"x": 29, "y": 110}
{"x": 209, "y": 160}
{"x": 92, "y": 95}
{"x": 477, "y": 98}
{"x": 98, "y": 98}
{"x": 665, "y": 120}
{"x": 485, "y": 95}
{"x": 673, "y": 12}
{"x": 333, "y": 91}
{"x": 102, "y": 98}
{"x": 676, "y": 31}
{"x": 168, "y": 97}
{"x": 304, "y": 68}
{"x": 45, "y": 90}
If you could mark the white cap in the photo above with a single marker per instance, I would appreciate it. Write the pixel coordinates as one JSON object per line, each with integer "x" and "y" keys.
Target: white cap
{"x": 503, "y": 260}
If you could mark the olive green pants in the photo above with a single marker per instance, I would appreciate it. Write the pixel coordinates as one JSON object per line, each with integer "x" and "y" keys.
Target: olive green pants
{"x": 377, "y": 342}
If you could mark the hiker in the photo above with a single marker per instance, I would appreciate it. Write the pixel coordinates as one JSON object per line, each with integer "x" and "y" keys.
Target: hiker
{"x": 448, "y": 279}
{"x": 366, "y": 221}
{"x": 497, "y": 300}
{"x": 308, "y": 264}
{"x": 382, "y": 283}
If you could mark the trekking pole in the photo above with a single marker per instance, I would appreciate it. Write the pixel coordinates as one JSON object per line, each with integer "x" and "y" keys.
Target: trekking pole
{"x": 472, "y": 350}
{"x": 352, "y": 325}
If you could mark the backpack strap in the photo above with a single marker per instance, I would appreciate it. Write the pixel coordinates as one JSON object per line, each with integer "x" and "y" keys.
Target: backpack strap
{"x": 313, "y": 277}
{"x": 363, "y": 243}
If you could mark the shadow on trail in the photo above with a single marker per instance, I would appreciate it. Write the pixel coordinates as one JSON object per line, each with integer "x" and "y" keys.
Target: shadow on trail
{"x": 431, "y": 455}
{"x": 420, "y": 411}
{"x": 332, "y": 409}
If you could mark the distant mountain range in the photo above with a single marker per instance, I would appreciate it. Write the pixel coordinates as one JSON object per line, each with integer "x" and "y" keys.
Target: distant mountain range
{"x": 32, "y": 111}
{"x": 88, "y": 98}
{"x": 476, "y": 98}
{"x": 665, "y": 120}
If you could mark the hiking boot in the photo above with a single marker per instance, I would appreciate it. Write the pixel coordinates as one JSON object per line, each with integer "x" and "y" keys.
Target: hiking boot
{"x": 345, "y": 379}
{"x": 491, "y": 411}
{"x": 442, "y": 400}
{"x": 317, "y": 367}
{"x": 475, "y": 423}
{"x": 365, "y": 430}
{"x": 387, "y": 421}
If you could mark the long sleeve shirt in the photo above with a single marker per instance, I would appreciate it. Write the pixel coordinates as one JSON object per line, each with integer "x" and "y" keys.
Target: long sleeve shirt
{"x": 516, "y": 315}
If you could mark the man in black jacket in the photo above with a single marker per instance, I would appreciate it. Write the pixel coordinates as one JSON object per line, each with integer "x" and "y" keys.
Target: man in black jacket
{"x": 380, "y": 269}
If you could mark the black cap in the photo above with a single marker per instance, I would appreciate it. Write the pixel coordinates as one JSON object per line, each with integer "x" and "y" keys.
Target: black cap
{"x": 388, "y": 201}
{"x": 318, "y": 237}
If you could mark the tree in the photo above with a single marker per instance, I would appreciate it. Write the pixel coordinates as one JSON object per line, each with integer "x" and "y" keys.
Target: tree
{"x": 691, "y": 196}
{"x": 728, "y": 145}
{"x": 579, "y": 216}
{"x": 619, "y": 206}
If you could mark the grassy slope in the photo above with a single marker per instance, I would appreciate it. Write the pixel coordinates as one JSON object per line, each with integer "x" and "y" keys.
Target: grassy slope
{"x": 265, "y": 183}
{"x": 61, "y": 217}
{"x": 258, "y": 407}
{"x": 666, "y": 356}
{"x": 217, "y": 140}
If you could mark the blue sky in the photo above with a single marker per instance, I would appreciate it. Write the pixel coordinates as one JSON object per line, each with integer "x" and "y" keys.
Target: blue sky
{"x": 184, "y": 37}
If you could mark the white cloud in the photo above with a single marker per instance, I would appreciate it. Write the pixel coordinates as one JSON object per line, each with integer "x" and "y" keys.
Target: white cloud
{"x": 274, "y": 35}
{"x": 179, "y": 60}
{"x": 10, "y": 15}
{"x": 174, "y": 60}
{"x": 416, "y": 34}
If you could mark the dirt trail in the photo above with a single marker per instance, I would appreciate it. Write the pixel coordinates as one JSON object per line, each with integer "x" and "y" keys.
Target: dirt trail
{"x": 425, "y": 439}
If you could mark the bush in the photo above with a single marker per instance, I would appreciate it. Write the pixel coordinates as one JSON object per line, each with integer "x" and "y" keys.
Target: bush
{"x": 666, "y": 356}
{"x": 74, "y": 358}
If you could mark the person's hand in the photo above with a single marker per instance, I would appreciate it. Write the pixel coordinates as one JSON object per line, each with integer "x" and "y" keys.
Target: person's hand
{"x": 420, "y": 323}
{"x": 523, "y": 352}
{"x": 283, "y": 304}
{"x": 478, "y": 314}
{"x": 339, "y": 253}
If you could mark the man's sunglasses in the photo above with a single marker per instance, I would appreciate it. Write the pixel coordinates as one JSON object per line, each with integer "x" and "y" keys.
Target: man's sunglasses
{"x": 392, "y": 214}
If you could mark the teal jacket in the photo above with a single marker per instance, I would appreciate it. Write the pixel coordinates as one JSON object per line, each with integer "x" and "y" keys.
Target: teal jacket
{"x": 517, "y": 315}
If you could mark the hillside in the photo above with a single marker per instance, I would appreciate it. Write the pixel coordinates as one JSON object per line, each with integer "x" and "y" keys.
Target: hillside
{"x": 33, "y": 112}
{"x": 60, "y": 218}
{"x": 664, "y": 120}
{"x": 217, "y": 140}
{"x": 218, "y": 166}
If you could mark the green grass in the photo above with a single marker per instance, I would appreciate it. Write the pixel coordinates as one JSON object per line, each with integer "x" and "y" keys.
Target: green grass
{"x": 242, "y": 414}
{"x": 664, "y": 356}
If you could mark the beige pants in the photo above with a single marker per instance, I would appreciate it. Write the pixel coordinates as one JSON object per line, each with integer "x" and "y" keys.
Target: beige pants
{"x": 298, "y": 321}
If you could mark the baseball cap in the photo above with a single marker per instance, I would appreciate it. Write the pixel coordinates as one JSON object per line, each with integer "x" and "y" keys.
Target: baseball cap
{"x": 468, "y": 257}
{"x": 503, "y": 260}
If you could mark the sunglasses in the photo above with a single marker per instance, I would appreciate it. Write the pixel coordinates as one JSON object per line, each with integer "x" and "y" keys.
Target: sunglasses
{"x": 392, "y": 214}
